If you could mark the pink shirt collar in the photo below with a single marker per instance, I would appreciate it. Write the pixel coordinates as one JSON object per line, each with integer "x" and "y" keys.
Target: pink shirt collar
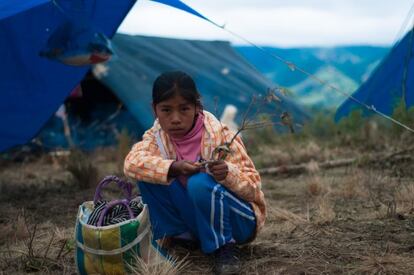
{"x": 189, "y": 146}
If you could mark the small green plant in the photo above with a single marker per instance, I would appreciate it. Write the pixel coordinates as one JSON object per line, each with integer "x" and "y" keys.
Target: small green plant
{"x": 404, "y": 115}
{"x": 353, "y": 123}
{"x": 254, "y": 140}
{"x": 322, "y": 126}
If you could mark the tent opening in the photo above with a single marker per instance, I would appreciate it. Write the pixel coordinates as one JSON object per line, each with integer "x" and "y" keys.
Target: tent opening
{"x": 92, "y": 116}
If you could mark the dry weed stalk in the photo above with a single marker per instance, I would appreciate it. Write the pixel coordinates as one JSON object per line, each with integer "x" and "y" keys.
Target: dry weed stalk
{"x": 383, "y": 192}
{"x": 38, "y": 252}
{"x": 7, "y": 232}
{"x": 351, "y": 187}
{"x": 319, "y": 195}
{"x": 405, "y": 197}
{"x": 325, "y": 212}
{"x": 82, "y": 169}
{"x": 140, "y": 267}
{"x": 14, "y": 230}
{"x": 221, "y": 152}
{"x": 316, "y": 187}
{"x": 158, "y": 264}
{"x": 20, "y": 227}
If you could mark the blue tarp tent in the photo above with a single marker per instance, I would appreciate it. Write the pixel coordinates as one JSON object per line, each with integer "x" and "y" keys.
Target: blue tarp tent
{"x": 32, "y": 87}
{"x": 392, "y": 80}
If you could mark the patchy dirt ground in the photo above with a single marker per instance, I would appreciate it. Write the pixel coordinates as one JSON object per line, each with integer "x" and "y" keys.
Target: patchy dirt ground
{"x": 350, "y": 220}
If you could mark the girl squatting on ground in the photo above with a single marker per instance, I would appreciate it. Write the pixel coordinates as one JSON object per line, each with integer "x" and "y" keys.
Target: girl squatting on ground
{"x": 218, "y": 207}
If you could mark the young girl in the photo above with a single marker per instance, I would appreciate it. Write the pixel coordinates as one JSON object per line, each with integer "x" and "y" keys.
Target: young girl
{"x": 220, "y": 206}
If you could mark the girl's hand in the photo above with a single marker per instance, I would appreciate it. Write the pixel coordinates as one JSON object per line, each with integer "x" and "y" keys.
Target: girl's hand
{"x": 218, "y": 169}
{"x": 183, "y": 168}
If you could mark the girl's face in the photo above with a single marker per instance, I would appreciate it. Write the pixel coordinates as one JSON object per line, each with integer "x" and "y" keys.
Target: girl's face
{"x": 176, "y": 115}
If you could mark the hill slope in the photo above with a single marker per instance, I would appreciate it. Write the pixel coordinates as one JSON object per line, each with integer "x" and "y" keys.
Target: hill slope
{"x": 344, "y": 67}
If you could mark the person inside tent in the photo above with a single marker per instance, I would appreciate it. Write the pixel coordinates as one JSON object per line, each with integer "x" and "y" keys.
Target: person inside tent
{"x": 217, "y": 204}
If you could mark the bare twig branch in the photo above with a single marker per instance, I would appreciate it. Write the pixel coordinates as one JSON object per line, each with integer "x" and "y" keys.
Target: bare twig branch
{"x": 48, "y": 247}
{"x": 61, "y": 249}
{"x": 247, "y": 111}
{"x": 222, "y": 151}
{"x": 32, "y": 236}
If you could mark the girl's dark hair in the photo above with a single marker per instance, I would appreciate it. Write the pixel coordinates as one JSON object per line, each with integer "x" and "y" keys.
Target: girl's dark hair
{"x": 169, "y": 84}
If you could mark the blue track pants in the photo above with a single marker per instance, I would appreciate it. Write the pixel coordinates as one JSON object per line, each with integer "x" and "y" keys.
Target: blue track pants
{"x": 205, "y": 208}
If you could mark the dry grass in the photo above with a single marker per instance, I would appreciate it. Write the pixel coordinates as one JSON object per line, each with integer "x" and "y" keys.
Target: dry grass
{"x": 312, "y": 167}
{"x": 351, "y": 186}
{"x": 291, "y": 153}
{"x": 14, "y": 230}
{"x": 315, "y": 187}
{"x": 38, "y": 248}
{"x": 57, "y": 159}
{"x": 84, "y": 172}
{"x": 389, "y": 195}
{"x": 124, "y": 146}
{"x": 384, "y": 264}
{"x": 283, "y": 215}
{"x": 404, "y": 197}
{"x": 272, "y": 157}
{"x": 310, "y": 151}
{"x": 325, "y": 212}
{"x": 173, "y": 267}
{"x": 337, "y": 221}
{"x": 319, "y": 197}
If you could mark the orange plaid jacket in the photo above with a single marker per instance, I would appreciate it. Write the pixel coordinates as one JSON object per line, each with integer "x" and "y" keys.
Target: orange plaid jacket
{"x": 149, "y": 160}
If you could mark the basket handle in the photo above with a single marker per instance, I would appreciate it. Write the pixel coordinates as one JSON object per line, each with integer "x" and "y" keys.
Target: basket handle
{"x": 126, "y": 187}
{"x": 112, "y": 204}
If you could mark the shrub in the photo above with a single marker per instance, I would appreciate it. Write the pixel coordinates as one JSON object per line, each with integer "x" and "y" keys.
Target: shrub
{"x": 322, "y": 126}
{"x": 404, "y": 115}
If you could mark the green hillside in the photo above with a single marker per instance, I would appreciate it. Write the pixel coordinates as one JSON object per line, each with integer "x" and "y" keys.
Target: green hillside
{"x": 311, "y": 93}
{"x": 342, "y": 67}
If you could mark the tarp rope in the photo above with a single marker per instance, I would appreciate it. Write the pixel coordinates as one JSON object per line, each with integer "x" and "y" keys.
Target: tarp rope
{"x": 293, "y": 67}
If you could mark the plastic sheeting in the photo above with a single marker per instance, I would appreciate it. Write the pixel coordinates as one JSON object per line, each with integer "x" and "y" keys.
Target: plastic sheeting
{"x": 384, "y": 89}
{"x": 180, "y": 5}
{"x": 33, "y": 87}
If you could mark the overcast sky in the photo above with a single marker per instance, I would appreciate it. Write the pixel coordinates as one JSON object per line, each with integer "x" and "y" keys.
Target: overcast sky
{"x": 284, "y": 23}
